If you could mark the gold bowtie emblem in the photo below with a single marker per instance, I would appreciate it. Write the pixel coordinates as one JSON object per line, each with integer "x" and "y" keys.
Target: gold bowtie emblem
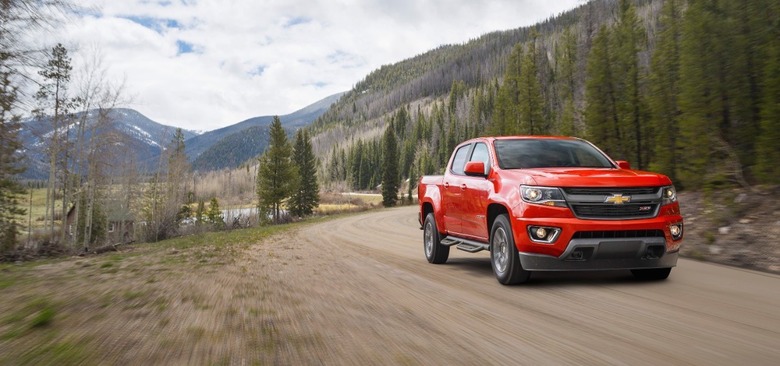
{"x": 618, "y": 199}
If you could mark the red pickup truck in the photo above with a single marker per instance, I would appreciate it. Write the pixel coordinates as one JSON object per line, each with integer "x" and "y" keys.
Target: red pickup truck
{"x": 550, "y": 204}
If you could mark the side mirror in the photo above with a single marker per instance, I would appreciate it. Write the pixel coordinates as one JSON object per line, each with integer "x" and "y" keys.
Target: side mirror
{"x": 622, "y": 164}
{"x": 475, "y": 169}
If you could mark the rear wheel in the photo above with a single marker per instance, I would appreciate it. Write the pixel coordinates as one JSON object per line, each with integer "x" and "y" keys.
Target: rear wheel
{"x": 653, "y": 274}
{"x": 435, "y": 252}
{"x": 503, "y": 254}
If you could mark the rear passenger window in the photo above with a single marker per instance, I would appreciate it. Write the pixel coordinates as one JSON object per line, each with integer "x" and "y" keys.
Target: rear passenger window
{"x": 459, "y": 162}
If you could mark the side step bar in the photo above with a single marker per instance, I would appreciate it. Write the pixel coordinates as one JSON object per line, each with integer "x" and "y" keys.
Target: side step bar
{"x": 465, "y": 244}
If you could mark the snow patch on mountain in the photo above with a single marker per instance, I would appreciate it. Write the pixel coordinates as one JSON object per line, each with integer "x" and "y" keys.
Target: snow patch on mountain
{"x": 145, "y": 136}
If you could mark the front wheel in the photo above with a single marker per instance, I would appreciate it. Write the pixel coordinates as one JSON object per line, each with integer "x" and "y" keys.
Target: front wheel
{"x": 435, "y": 252}
{"x": 653, "y": 274}
{"x": 503, "y": 254}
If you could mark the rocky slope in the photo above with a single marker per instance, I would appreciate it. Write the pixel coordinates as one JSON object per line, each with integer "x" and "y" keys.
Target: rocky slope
{"x": 737, "y": 227}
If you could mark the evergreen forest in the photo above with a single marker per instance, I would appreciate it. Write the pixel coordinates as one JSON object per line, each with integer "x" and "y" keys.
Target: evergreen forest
{"x": 686, "y": 88}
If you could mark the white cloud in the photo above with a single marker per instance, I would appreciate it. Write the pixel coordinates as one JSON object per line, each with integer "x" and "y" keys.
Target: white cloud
{"x": 210, "y": 63}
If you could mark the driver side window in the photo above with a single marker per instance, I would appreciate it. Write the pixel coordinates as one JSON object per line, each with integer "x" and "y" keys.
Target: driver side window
{"x": 459, "y": 161}
{"x": 481, "y": 154}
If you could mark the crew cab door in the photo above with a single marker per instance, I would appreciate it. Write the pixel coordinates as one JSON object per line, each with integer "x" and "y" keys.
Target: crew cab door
{"x": 475, "y": 197}
{"x": 453, "y": 189}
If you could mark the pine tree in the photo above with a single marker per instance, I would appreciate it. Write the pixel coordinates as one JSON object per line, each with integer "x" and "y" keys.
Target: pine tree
{"x": 614, "y": 112}
{"x": 334, "y": 165}
{"x": 178, "y": 171}
{"x": 390, "y": 168}
{"x": 375, "y": 163}
{"x": 412, "y": 183}
{"x": 276, "y": 176}
{"x": 768, "y": 148}
{"x": 353, "y": 166}
{"x": 701, "y": 97}
{"x": 567, "y": 63}
{"x": 601, "y": 119}
{"x": 360, "y": 165}
{"x": 530, "y": 102}
{"x": 628, "y": 38}
{"x": 745, "y": 31}
{"x": 664, "y": 89}
{"x": 178, "y": 168}
{"x": 306, "y": 196}
{"x": 214, "y": 214}
{"x": 200, "y": 213}
{"x": 506, "y": 120}
{"x": 10, "y": 189}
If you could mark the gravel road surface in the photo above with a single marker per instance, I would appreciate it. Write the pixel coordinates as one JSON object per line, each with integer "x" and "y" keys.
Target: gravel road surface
{"x": 367, "y": 291}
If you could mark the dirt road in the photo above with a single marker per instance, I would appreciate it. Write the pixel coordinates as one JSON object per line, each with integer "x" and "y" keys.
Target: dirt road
{"x": 358, "y": 291}
{"x": 370, "y": 296}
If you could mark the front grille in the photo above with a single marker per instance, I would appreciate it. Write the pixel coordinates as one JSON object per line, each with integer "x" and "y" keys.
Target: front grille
{"x": 609, "y": 191}
{"x": 593, "y": 202}
{"x": 601, "y": 211}
{"x": 618, "y": 234}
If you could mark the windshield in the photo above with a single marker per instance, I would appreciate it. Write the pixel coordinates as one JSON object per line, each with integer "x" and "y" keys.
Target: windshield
{"x": 548, "y": 153}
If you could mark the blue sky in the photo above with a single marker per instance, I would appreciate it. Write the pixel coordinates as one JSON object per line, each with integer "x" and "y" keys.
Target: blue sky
{"x": 206, "y": 64}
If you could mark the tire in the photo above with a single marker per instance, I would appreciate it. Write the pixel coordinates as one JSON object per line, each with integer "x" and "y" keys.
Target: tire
{"x": 503, "y": 254}
{"x": 654, "y": 274}
{"x": 435, "y": 252}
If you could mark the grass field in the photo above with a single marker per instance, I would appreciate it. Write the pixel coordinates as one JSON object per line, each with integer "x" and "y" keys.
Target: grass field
{"x": 35, "y": 207}
{"x": 78, "y": 310}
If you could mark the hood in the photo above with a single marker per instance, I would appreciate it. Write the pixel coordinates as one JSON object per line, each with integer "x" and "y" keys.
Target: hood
{"x": 588, "y": 177}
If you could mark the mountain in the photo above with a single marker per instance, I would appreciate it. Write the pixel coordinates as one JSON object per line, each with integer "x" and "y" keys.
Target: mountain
{"x": 685, "y": 88}
{"x": 451, "y": 93}
{"x": 230, "y": 146}
{"x": 225, "y": 147}
{"x": 144, "y": 137}
{"x": 233, "y": 149}
{"x": 425, "y": 79}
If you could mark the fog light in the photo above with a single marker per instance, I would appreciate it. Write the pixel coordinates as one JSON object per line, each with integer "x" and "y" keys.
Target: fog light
{"x": 676, "y": 231}
{"x": 541, "y": 233}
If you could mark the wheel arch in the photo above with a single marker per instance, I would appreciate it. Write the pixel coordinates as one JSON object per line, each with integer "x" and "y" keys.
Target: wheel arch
{"x": 427, "y": 208}
{"x": 431, "y": 206}
{"x": 494, "y": 209}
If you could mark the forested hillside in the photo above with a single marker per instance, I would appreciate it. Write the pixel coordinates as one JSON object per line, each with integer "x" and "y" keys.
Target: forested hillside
{"x": 234, "y": 149}
{"x": 230, "y": 146}
{"x": 686, "y": 88}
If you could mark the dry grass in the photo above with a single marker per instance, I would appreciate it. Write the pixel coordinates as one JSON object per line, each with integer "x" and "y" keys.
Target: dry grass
{"x": 337, "y": 208}
{"x": 335, "y": 202}
{"x": 36, "y": 207}
{"x": 232, "y": 188}
{"x": 147, "y": 304}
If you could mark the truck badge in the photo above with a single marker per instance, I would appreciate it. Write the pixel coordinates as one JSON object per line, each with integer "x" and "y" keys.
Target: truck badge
{"x": 618, "y": 199}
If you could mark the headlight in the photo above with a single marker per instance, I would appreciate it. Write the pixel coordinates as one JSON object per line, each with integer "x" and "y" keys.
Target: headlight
{"x": 543, "y": 196}
{"x": 668, "y": 195}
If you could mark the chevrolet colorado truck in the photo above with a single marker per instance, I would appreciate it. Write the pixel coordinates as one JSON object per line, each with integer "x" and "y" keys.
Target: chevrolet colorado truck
{"x": 550, "y": 204}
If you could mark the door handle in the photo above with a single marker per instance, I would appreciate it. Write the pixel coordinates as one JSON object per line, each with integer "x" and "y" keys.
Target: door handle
{"x": 462, "y": 187}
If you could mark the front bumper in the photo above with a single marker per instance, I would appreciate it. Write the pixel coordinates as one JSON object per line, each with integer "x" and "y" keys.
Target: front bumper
{"x": 604, "y": 254}
{"x": 585, "y": 244}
